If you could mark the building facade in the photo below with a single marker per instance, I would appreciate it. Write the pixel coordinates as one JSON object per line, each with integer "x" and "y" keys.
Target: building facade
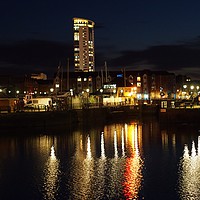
{"x": 84, "y": 54}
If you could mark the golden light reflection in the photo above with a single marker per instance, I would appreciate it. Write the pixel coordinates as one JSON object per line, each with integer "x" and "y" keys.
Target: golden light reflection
{"x": 123, "y": 143}
{"x": 133, "y": 167}
{"x": 51, "y": 176}
{"x": 174, "y": 141}
{"x": 116, "y": 172}
{"x": 189, "y": 172}
{"x": 165, "y": 139}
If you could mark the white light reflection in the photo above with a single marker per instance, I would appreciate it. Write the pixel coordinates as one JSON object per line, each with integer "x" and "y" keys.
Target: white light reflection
{"x": 189, "y": 173}
{"x": 99, "y": 182}
{"x": 52, "y": 155}
{"x": 115, "y": 144}
{"x": 103, "y": 156}
{"x": 87, "y": 171}
{"x": 198, "y": 151}
{"x": 51, "y": 176}
{"x": 89, "y": 153}
{"x": 193, "y": 154}
{"x": 82, "y": 172}
{"x": 115, "y": 172}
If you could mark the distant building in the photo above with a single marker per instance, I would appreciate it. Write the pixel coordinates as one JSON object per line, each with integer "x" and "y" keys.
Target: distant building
{"x": 84, "y": 58}
{"x": 132, "y": 86}
{"x": 40, "y": 76}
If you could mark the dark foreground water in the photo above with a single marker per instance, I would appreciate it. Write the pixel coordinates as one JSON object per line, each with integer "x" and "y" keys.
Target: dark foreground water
{"x": 133, "y": 160}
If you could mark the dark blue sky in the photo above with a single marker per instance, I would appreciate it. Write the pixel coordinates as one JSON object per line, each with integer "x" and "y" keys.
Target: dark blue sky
{"x": 159, "y": 35}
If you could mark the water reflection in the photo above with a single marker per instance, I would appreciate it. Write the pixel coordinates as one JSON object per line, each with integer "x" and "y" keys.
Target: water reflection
{"x": 116, "y": 172}
{"x": 189, "y": 172}
{"x": 51, "y": 176}
{"x": 82, "y": 170}
{"x": 115, "y": 145}
{"x": 102, "y": 163}
{"x": 133, "y": 167}
{"x": 103, "y": 155}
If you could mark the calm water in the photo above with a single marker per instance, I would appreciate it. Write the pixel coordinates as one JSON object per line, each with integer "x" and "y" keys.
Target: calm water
{"x": 133, "y": 160}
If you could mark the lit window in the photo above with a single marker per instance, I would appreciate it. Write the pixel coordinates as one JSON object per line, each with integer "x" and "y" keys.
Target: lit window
{"x": 138, "y": 78}
{"x": 146, "y": 96}
{"x": 76, "y": 36}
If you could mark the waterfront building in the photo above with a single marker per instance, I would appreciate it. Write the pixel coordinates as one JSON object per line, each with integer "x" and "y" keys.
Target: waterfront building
{"x": 143, "y": 86}
{"x": 84, "y": 53}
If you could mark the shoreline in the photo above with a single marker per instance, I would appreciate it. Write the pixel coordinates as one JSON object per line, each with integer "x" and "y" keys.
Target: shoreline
{"x": 70, "y": 119}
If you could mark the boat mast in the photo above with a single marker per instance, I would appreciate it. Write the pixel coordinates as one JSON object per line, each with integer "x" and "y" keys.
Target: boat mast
{"x": 67, "y": 74}
{"x": 106, "y": 72}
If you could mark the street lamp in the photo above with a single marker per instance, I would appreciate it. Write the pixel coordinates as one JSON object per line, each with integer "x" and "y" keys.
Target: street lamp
{"x": 51, "y": 90}
{"x": 184, "y": 86}
{"x": 57, "y": 85}
{"x": 87, "y": 90}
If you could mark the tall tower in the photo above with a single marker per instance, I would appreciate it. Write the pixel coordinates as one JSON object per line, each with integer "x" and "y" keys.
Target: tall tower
{"x": 84, "y": 59}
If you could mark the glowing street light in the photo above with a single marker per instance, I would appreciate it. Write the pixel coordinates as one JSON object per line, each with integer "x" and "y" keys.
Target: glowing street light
{"x": 57, "y": 85}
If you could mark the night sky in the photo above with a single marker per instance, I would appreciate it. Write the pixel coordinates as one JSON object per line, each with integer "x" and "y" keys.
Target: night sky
{"x": 36, "y": 35}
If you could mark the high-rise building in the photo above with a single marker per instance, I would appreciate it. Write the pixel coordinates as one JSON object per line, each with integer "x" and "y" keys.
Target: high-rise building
{"x": 84, "y": 58}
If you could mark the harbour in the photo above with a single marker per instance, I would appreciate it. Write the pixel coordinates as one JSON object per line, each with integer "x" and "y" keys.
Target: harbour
{"x": 136, "y": 159}
{"x": 99, "y": 107}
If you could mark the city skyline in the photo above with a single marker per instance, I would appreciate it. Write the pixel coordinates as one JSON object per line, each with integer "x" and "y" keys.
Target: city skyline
{"x": 37, "y": 36}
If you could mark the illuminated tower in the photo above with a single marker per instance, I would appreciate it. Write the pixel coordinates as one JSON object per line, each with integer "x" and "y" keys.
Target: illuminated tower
{"x": 83, "y": 45}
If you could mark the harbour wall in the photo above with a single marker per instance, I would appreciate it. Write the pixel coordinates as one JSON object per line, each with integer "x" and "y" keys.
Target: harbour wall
{"x": 179, "y": 115}
{"x": 42, "y": 122}
{"x": 38, "y": 122}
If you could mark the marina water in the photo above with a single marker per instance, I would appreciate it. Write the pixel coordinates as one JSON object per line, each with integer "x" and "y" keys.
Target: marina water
{"x": 121, "y": 160}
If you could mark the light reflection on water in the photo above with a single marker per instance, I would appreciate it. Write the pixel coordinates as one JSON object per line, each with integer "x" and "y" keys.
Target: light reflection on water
{"x": 133, "y": 169}
{"x": 112, "y": 175}
{"x": 189, "y": 172}
{"x": 117, "y": 161}
{"x": 51, "y": 175}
